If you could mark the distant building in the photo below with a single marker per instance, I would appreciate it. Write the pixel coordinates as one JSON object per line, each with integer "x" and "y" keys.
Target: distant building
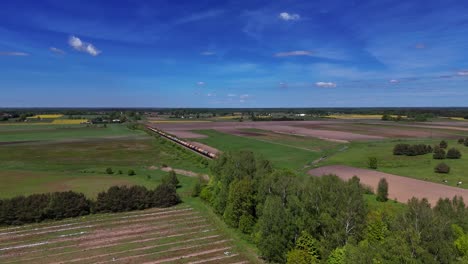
{"x": 301, "y": 115}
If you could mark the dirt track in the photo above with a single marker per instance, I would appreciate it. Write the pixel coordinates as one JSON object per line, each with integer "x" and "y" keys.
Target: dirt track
{"x": 400, "y": 188}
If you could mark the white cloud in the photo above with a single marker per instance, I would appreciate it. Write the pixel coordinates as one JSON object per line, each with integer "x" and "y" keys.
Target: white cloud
{"x": 394, "y": 81}
{"x": 13, "y": 53}
{"x": 241, "y": 101}
{"x": 79, "y": 45}
{"x": 325, "y": 84}
{"x": 208, "y": 53}
{"x": 287, "y": 17}
{"x": 56, "y": 50}
{"x": 211, "y": 95}
{"x": 283, "y": 85}
{"x": 201, "y": 83}
{"x": 294, "y": 53}
{"x": 231, "y": 95}
{"x": 463, "y": 73}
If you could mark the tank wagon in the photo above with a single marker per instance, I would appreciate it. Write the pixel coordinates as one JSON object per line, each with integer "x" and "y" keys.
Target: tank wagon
{"x": 183, "y": 143}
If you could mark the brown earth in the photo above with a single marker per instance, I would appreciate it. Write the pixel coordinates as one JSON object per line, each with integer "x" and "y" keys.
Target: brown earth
{"x": 400, "y": 188}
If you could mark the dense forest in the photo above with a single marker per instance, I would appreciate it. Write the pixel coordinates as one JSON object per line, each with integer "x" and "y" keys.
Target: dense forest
{"x": 327, "y": 220}
{"x": 59, "y": 205}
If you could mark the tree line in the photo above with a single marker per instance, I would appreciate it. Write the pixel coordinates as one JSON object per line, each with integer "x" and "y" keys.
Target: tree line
{"x": 59, "y": 205}
{"x": 296, "y": 219}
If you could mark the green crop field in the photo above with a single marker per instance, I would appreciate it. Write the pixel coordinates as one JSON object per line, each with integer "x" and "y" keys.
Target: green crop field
{"x": 419, "y": 167}
{"x": 59, "y": 159}
{"x": 280, "y": 155}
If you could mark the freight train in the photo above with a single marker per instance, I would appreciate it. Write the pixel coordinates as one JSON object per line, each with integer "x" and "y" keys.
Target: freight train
{"x": 183, "y": 143}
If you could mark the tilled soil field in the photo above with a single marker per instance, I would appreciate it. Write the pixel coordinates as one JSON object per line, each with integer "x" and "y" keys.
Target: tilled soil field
{"x": 171, "y": 235}
{"x": 400, "y": 188}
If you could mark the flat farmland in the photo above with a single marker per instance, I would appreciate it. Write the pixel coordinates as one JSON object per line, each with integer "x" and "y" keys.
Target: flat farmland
{"x": 174, "y": 235}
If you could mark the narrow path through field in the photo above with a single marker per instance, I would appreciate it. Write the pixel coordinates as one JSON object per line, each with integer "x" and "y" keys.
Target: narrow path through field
{"x": 400, "y": 188}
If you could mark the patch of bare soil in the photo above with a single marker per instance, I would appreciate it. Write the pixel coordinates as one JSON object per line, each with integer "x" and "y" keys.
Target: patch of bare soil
{"x": 399, "y": 188}
{"x": 186, "y": 173}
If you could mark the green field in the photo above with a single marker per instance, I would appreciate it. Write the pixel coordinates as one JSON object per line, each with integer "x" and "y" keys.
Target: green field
{"x": 78, "y": 158}
{"x": 281, "y": 155}
{"x": 419, "y": 167}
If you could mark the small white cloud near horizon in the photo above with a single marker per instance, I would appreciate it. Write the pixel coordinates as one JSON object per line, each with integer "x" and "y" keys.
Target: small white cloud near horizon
{"x": 325, "y": 84}
{"x": 294, "y": 53}
{"x": 283, "y": 85}
{"x": 463, "y": 73}
{"x": 231, "y": 95}
{"x": 201, "y": 83}
{"x": 82, "y": 46}
{"x": 211, "y": 95}
{"x": 394, "y": 81}
{"x": 13, "y": 53}
{"x": 208, "y": 53}
{"x": 420, "y": 46}
{"x": 57, "y": 50}
{"x": 289, "y": 17}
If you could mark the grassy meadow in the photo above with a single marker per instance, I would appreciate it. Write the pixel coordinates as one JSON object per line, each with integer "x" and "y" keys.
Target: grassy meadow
{"x": 419, "y": 167}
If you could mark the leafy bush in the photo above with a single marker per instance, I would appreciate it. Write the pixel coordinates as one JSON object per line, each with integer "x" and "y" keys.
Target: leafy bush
{"x": 372, "y": 163}
{"x": 109, "y": 171}
{"x": 442, "y": 168}
{"x": 443, "y": 144}
{"x": 171, "y": 178}
{"x": 411, "y": 150}
{"x": 461, "y": 141}
{"x": 131, "y": 173}
{"x": 439, "y": 153}
{"x": 382, "y": 190}
{"x": 453, "y": 153}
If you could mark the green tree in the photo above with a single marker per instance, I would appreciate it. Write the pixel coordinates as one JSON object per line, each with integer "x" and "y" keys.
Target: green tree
{"x": 372, "y": 163}
{"x": 337, "y": 256}
{"x": 443, "y": 144}
{"x": 109, "y": 171}
{"x": 382, "y": 190}
{"x": 171, "y": 178}
{"x": 240, "y": 202}
{"x": 131, "y": 173}
{"x": 298, "y": 256}
{"x": 453, "y": 153}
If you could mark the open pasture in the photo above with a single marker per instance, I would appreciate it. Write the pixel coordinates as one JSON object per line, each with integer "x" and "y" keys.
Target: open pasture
{"x": 173, "y": 235}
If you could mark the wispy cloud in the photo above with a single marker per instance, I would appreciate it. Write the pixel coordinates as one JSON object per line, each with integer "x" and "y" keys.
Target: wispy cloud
{"x": 244, "y": 96}
{"x": 394, "y": 81}
{"x": 208, "y": 53}
{"x": 57, "y": 50}
{"x": 294, "y": 53}
{"x": 13, "y": 53}
{"x": 82, "y": 46}
{"x": 201, "y": 83}
{"x": 289, "y": 17}
{"x": 462, "y": 73}
{"x": 325, "y": 84}
{"x": 199, "y": 16}
{"x": 231, "y": 95}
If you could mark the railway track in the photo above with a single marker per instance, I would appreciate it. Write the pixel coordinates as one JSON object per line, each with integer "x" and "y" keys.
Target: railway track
{"x": 183, "y": 143}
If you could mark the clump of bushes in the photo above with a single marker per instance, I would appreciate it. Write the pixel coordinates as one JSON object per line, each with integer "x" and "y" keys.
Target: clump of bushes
{"x": 372, "y": 163}
{"x": 58, "y": 205}
{"x": 131, "y": 173}
{"x": 461, "y": 141}
{"x": 382, "y": 190}
{"x": 109, "y": 171}
{"x": 453, "y": 153}
{"x": 171, "y": 178}
{"x": 412, "y": 150}
{"x": 439, "y": 153}
{"x": 442, "y": 168}
{"x": 443, "y": 144}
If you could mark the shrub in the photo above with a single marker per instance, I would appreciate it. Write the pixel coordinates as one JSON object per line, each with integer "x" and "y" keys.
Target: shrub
{"x": 109, "y": 171}
{"x": 442, "y": 168}
{"x": 439, "y": 153}
{"x": 411, "y": 150}
{"x": 120, "y": 172}
{"x": 131, "y": 173}
{"x": 196, "y": 189}
{"x": 443, "y": 144}
{"x": 171, "y": 178}
{"x": 453, "y": 153}
{"x": 372, "y": 163}
{"x": 382, "y": 190}
{"x": 165, "y": 195}
{"x": 461, "y": 140}
{"x": 466, "y": 142}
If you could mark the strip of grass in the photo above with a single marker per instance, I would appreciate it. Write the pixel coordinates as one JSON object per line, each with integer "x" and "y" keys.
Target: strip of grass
{"x": 419, "y": 167}
{"x": 281, "y": 156}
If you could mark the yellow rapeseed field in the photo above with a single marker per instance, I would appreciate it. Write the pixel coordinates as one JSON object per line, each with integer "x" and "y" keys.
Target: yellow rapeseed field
{"x": 229, "y": 117}
{"x": 69, "y": 121}
{"x": 459, "y": 118}
{"x": 45, "y": 116}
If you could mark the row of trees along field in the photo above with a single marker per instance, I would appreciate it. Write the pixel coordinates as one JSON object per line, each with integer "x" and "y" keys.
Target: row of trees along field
{"x": 327, "y": 220}
{"x": 60, "y": 205}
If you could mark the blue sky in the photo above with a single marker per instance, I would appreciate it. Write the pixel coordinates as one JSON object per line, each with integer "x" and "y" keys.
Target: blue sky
{"x": 233, "y": 53}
